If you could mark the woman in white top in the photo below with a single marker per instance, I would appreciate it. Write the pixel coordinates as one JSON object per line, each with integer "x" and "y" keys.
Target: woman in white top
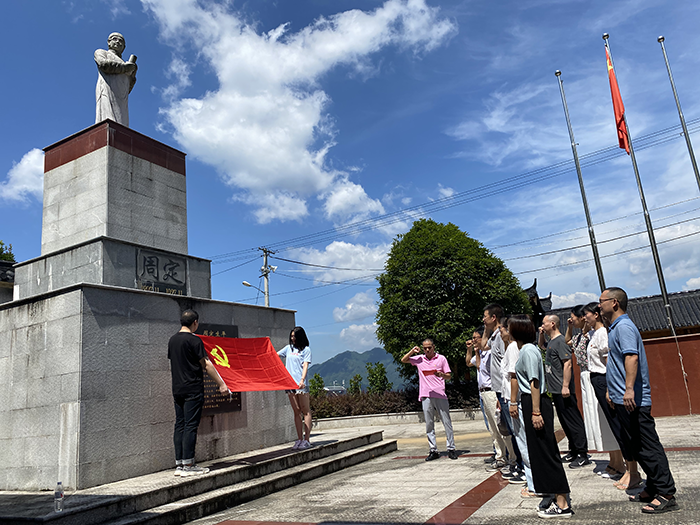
{"x": 609, "y": 425}
{"x": 511, "y": 393}
{"x": 579, "y": 345}
{"x": 298, "y": 360}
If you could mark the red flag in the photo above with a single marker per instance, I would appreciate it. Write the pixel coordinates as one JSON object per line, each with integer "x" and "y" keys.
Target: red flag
{"x": 618, "y": 106}
{"x": 248, "y": 365}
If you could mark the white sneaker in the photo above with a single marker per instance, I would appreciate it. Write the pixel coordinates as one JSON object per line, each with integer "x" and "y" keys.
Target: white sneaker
{"x": 178, "y": 470}
{"x": 304, "y": 445}
{"x": 296, "y": 444}
{"x": 193, "y": 470}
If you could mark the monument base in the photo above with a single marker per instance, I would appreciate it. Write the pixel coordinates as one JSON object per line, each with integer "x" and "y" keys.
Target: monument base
{"x": 87, "y": 397}
{"x": 117, "y": 263}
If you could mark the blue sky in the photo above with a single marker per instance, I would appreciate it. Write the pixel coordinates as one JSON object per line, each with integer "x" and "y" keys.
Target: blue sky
{"x": 304, "y": 117}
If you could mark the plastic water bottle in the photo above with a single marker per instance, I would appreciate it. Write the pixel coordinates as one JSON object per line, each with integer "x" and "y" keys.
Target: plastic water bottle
{"x": 58, "y": 498}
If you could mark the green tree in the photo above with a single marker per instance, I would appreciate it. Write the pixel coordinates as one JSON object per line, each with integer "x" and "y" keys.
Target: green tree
{"x": 6, "y": 252}
{"x": 376, "y": 377}
{"x": 436, "y": 284}
{"x": 355, "y": 385}
{"x": 316, "y": 385}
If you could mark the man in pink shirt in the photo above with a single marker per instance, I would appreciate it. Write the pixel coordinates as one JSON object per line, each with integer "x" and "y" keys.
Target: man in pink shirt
{"x": 433, "y": 370}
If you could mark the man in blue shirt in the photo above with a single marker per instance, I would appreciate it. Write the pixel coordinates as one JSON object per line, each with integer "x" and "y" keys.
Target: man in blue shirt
{"x": 630, "y": 391}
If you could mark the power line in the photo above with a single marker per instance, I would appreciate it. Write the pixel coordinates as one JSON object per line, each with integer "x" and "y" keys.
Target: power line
{"x": 331, "y": 267}
{"x": 234, "y": 267}
{"x": 571, "y": 248}
{"x": 606, "y": 256}
{"x": 590, "y": 159}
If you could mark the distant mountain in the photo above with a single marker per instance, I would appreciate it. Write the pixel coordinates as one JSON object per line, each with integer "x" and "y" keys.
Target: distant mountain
{"x": 344, "y": 366}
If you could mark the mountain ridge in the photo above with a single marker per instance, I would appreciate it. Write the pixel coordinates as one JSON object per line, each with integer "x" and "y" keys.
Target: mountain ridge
{"x": 345, "y": 365}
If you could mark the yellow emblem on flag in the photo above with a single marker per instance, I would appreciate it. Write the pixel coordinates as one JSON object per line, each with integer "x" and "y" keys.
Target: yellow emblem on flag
{"x": 220, "y": 357}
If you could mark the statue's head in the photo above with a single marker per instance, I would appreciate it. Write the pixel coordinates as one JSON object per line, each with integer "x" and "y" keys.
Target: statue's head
{"x": 116, "y": 43}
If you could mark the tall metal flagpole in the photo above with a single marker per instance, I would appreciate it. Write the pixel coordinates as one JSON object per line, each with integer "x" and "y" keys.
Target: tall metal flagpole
{"x": 680, "y": 113}
{"x": 697, "y": 178}
{"x": 591, "y": 233}
{"x": 647, "y": 217}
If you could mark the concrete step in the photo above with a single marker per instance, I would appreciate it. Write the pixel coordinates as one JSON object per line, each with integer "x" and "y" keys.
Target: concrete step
{"x": 186, "y": 510}
{"x": 138, "y": 497}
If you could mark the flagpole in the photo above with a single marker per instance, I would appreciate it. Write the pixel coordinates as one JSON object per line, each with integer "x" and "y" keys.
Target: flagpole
{"x": 647, "y": 217}
{"x": 680, "y": 113}
{"x": 591, "y": 233}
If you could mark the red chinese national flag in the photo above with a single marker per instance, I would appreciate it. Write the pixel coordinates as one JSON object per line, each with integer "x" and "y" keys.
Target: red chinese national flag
{"x": 618, "y": 106}
{"x": 248, "y": 365}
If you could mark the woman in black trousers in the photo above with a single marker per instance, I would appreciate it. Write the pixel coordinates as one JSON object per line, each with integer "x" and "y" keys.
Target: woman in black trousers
{"x": 547, "y": 471}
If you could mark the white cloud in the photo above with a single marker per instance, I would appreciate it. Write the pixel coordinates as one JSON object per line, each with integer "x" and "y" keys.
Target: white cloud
{"x": 179, "y": 73}
{"x": 347, "y": 201}
{"x": 25, "y": 179}
{"x": 117, "y": 8}
{"x": 692, "y": 284}
{"x": 369, "y": 261}
{"x": 513, "y": 125}
{"x": 360, "y": 337}
{"x": 445, "y": 192}
{"x": 266, "y": 127}
{"x": 358, "y": 307}
{"x": 572, "y": 299}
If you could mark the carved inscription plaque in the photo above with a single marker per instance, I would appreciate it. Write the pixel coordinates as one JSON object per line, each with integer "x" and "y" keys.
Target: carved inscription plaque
{"x": 214, "y": 402}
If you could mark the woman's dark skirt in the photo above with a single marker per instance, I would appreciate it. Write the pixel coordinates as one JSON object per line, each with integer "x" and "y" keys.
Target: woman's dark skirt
{"x": 548, "y": 473}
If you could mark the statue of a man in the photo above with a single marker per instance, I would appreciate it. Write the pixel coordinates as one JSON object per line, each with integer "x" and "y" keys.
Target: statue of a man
{"x": 115, "y": 80}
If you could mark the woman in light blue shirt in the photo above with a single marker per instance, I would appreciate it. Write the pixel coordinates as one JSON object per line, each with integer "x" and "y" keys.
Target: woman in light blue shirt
{"x": 298, "y": 360}
{"x": 545, "y": 462}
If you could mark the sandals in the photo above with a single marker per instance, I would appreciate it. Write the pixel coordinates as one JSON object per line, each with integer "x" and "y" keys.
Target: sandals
{"x": 527, "y": 493}
{"x": 664, "y": 505}
{"x": 638, "y": 498}
{"x": 625, "y": 486}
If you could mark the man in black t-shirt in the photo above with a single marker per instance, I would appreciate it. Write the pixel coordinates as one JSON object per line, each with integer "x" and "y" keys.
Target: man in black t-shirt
{"x": 188, "y": 360}
{"x": 559, "y": 374}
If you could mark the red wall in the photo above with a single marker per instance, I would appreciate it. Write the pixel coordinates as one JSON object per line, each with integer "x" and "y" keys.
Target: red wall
{"x": 668, "y": 393}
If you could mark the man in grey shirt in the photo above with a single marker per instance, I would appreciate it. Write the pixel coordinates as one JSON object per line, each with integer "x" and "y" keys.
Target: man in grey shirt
{"x": 559, "y": 373}
{"x": 492, "y": 315}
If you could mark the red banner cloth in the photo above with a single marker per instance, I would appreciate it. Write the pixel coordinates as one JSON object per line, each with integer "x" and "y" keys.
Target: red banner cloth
{"x": 248, "y": 365}
{"x": 618, "y": 107}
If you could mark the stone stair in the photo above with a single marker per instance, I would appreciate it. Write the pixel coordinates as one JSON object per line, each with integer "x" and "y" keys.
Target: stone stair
{"x": 163, "y": 498}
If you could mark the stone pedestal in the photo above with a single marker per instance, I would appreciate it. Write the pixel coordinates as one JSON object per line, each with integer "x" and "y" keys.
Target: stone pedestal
{"x": 86, "y": 395}
{"x": 110, "y": 181}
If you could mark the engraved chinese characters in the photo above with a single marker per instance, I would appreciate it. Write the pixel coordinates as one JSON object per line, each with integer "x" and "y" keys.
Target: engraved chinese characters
{"x": 161, "y": 272}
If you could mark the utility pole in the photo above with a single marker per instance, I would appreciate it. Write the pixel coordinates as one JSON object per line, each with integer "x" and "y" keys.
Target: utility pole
{"x": 265, "y": 272}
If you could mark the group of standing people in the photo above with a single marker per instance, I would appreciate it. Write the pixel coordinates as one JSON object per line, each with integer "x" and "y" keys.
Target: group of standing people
{"x": 616, "y": 400}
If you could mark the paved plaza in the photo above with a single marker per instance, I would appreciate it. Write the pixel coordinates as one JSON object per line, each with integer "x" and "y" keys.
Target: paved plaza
{"x": 402, "y": 488}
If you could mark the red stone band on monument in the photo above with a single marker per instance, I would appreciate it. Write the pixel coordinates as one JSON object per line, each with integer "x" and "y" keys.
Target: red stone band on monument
{"x": 109, "y": 133}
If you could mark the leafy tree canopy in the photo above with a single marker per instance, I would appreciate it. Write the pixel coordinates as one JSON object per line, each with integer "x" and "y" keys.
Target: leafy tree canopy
{"x": 316, "y": 385}
{"x": 355, "y": 385}
{"x": 436, "y": 284}
{"x": 377, "y": 379}
{"x": 6, "y": 252}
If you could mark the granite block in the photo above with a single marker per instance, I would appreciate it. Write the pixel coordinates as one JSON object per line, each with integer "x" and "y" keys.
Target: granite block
{"x": 41, "y": 451}
{"x": 93, "y": 386}
{"x": 12, "y": 452}
{"x": 70, "y": 387}
{"x": 94, "y": 416}
{"x": 129, "y": 384}
{"x": 38, "y": 421}
{"x": 44, "y": 391}
{"x": 18, "y": 384}
{"x": 31, "y": 478}
{"x": 93, "y": 473}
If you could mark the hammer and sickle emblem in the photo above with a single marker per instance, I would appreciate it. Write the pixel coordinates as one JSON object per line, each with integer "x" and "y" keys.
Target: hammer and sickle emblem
{"x": 220, "y": 357}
